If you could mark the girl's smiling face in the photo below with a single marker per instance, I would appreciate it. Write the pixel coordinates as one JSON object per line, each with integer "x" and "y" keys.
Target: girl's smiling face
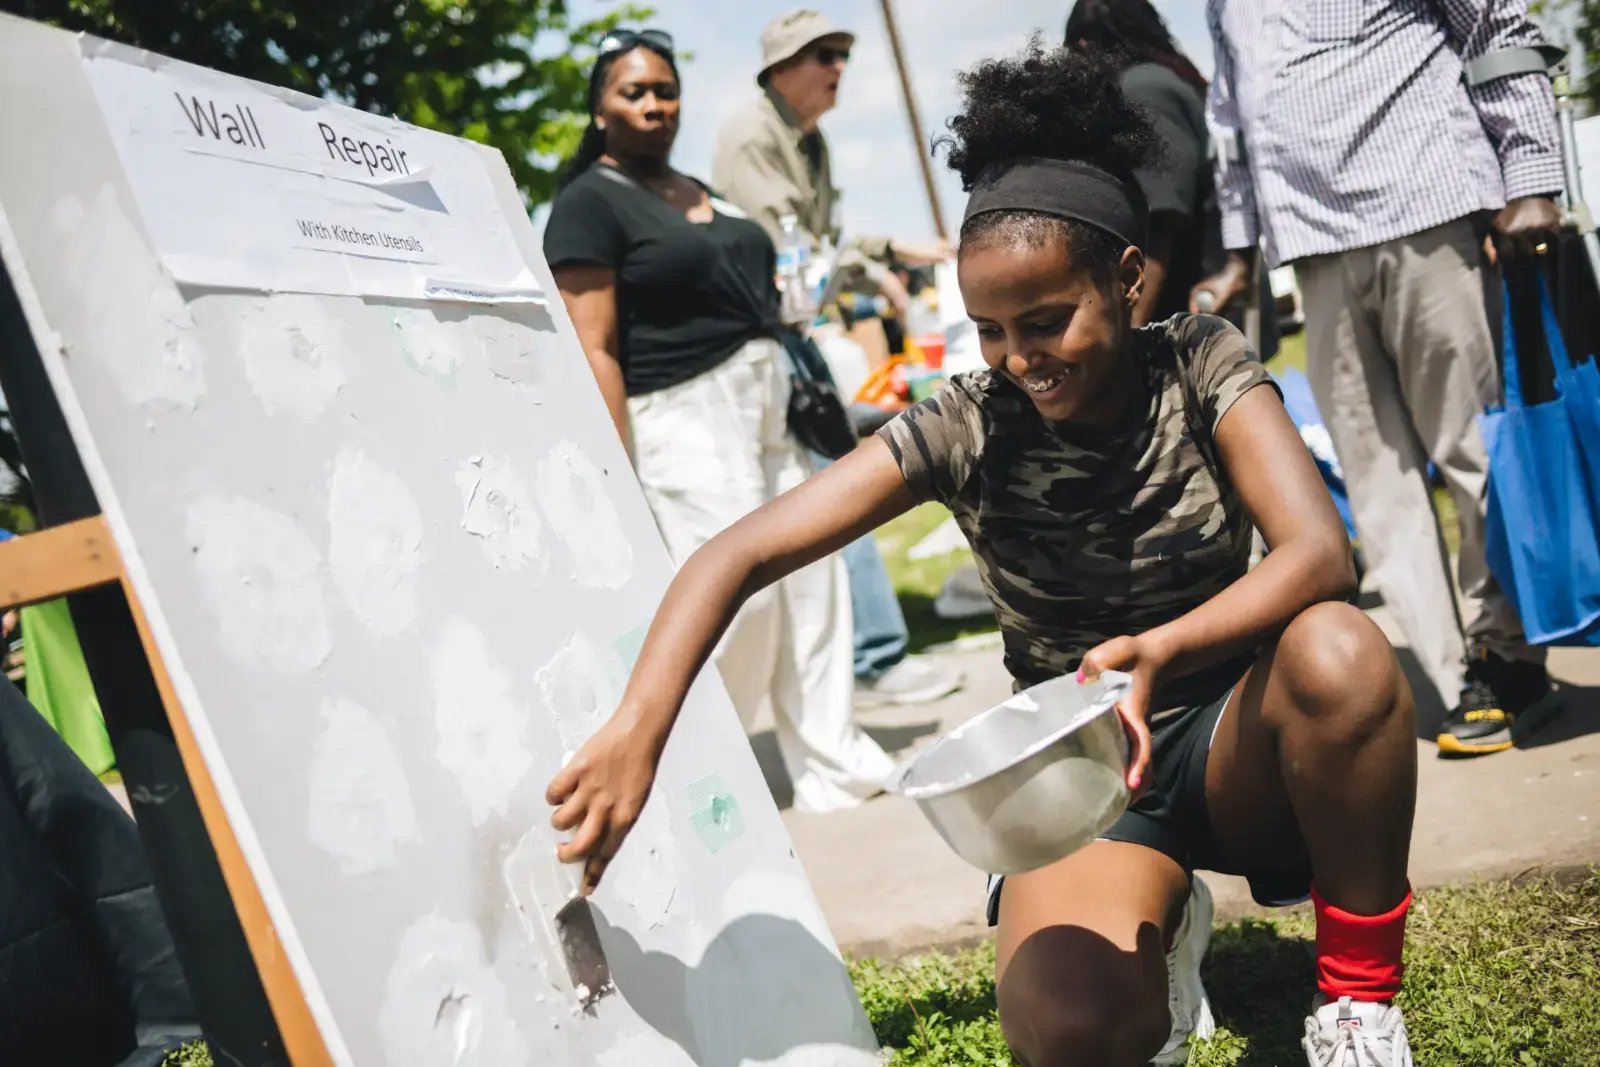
{"x": 1052, "y": 327}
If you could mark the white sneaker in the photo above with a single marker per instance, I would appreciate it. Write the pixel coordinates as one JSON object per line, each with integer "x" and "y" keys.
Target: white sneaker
{"x": 1356, "y": 1034}
{"x": 914, "y": 680}
{"x": 1186, "y": 997}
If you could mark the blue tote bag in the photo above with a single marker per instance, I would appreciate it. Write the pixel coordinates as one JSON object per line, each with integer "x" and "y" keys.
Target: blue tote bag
{"x": 1543, "y": 536}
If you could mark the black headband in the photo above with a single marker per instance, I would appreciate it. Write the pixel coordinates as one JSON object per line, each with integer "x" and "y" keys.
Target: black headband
{"x": 1064, "y": 188}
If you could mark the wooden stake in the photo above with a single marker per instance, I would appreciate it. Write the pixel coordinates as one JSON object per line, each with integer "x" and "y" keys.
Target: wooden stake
{"x": 922, "y": 152}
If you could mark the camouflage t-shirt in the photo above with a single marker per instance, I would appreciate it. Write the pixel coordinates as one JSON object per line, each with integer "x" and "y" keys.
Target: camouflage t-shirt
{"x": 1081, "y": 536}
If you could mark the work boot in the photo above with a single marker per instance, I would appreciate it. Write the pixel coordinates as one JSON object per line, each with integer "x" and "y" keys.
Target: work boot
{"x": 1497, "y": 690}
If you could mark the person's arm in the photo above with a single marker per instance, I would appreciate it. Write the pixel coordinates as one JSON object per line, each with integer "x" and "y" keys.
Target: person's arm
{"x": 590, "y": 293}
{"x": 1236, "y": 194}
{"x": 601, "y": 792}
{"x": 911, "y": 253}
{"x": 1518, "y": 116}
{"x": 1309, "y": 562}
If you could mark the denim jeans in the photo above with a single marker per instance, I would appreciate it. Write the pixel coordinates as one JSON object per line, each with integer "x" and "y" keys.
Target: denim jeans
{"x": 881, "y": 636}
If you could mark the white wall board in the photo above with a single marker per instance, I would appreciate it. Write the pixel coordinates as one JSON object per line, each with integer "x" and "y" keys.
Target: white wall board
{"x": 396, "y": 562}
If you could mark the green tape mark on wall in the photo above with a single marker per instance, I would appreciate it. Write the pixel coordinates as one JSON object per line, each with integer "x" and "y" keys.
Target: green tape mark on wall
{"x": 714, "y": 813}
{"x": 629, "y": 645}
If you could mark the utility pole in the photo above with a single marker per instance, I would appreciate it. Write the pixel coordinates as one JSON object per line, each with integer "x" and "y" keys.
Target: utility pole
{"x": 924, "y": 157}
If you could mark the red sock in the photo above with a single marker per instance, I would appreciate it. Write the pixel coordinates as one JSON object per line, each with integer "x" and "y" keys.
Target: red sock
{"x": 1359, "y": 956}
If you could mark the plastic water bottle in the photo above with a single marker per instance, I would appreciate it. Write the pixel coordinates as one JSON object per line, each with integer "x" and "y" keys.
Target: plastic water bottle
{"x": 793, "y": 253}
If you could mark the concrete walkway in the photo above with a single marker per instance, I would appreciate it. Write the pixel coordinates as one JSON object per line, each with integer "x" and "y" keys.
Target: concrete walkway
{"x": 889, "y": 886}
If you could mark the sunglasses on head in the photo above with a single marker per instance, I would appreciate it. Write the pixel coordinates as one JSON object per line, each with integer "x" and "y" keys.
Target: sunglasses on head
{"x": 828, "y": 56}
{"x": 621, "y": 40}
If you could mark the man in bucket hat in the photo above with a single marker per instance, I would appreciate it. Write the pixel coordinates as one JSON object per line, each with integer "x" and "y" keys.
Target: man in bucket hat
{"x": 772, "y": 161}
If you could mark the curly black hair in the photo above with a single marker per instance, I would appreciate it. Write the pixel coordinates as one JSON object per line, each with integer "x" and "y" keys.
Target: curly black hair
{"x": 1052, "y": 103}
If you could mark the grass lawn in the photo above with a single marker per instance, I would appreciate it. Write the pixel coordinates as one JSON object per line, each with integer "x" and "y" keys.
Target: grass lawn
{"x": 1499, "y": 975}
{"x": 1291, "y": 353}
{"x": 919, "y": 581}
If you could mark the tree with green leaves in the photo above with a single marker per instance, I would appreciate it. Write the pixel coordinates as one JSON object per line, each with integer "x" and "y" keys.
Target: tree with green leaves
{"x": 512, "y": 74}
{"x": 1575, "y": 25}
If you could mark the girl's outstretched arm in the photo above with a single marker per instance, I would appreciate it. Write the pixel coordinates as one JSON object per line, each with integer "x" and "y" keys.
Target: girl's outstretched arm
{"x": 600, "y": 793}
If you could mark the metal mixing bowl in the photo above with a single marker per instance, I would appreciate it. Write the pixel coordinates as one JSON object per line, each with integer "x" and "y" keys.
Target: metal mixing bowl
{"x": 1030, "y": 780}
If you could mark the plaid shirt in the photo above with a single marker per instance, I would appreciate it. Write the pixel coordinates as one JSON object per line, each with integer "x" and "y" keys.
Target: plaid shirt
{"x": 1344, "y": 123}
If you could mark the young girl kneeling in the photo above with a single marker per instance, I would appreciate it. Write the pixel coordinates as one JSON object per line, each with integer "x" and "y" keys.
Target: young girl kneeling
{"x": 1108, "y": 479}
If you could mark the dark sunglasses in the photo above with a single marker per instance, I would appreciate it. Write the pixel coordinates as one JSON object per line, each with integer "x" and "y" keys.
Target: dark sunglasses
{"x": 622, "y": 40}
{"x": 829, "y": 56}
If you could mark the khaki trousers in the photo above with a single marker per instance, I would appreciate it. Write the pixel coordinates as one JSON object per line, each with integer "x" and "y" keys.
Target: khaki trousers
{"x": 1401, "y": 340}
{"x": 708, "y": 452}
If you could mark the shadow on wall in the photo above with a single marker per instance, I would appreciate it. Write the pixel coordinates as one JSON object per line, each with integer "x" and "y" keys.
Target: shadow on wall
{"x": 764, "y": 987}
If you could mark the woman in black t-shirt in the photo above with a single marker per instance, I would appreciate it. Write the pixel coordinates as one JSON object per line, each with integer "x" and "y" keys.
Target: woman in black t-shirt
{"x": 671, "y": 291}
{"x": 1185, "y": 242}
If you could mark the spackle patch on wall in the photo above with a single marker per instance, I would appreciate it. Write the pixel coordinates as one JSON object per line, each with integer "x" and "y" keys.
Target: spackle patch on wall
{"x": 643, "y": 874}
{"x": 288, "y": 346}
{"x": 509, "y": 349}
{"x": 578, "y": 690}
{"x": 424, "y": 343}
{"x": 572, "y": 492}
{"x": 126, "y": 291}
{"x": 443, "y": 1005}
{"x": 360, "y": 806}
{"x": 481, "y": 729}
{"x": 376, "y": 544}
{"x": 538, "y": 885}
{"x": 262, "y": 579}
{"x": 497, "y": 509}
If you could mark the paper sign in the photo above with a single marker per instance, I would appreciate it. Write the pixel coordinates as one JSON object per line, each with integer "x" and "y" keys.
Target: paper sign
{"x": 242, "y": 186}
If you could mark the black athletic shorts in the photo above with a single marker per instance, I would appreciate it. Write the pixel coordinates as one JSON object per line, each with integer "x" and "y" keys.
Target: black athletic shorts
{"x": 1171, "y": 818}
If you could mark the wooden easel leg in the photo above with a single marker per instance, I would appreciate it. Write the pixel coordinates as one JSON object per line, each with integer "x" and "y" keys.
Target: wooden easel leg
{"x": 298, "y": 1029}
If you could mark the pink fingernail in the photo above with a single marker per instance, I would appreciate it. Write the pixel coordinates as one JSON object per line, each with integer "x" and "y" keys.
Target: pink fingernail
{"x": 1080, "y": 675}
{"x": 1134, "y": 784}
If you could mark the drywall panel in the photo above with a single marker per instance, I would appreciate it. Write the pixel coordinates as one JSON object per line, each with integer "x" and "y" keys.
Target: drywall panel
{"x": 397, "y": 564}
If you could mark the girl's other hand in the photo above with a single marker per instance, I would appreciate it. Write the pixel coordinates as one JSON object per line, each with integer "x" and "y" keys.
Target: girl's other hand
{"x": 600, "y": 793}
{"x": 1138, "y": 657}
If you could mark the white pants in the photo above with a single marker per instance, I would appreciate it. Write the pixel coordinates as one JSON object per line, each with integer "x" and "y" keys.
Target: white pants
{"x": 1401, "y": 357}
{"x": 708, "y": 452}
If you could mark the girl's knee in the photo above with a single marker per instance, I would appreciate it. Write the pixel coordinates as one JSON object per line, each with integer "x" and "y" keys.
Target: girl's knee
{"x": 1103, "y": 1020}
{"x": 1339, "y": 673}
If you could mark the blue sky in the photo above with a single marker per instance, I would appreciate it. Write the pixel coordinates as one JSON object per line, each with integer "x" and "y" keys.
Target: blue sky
{"x": 872, "y": 149}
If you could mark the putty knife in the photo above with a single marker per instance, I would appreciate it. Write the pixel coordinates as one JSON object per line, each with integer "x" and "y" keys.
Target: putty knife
{"x": 580, "y": 944}
{"x": 557, "y": 918}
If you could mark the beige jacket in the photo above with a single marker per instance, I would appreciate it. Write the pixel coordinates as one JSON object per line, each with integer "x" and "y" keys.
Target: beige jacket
{"x": 761, "y": 166}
